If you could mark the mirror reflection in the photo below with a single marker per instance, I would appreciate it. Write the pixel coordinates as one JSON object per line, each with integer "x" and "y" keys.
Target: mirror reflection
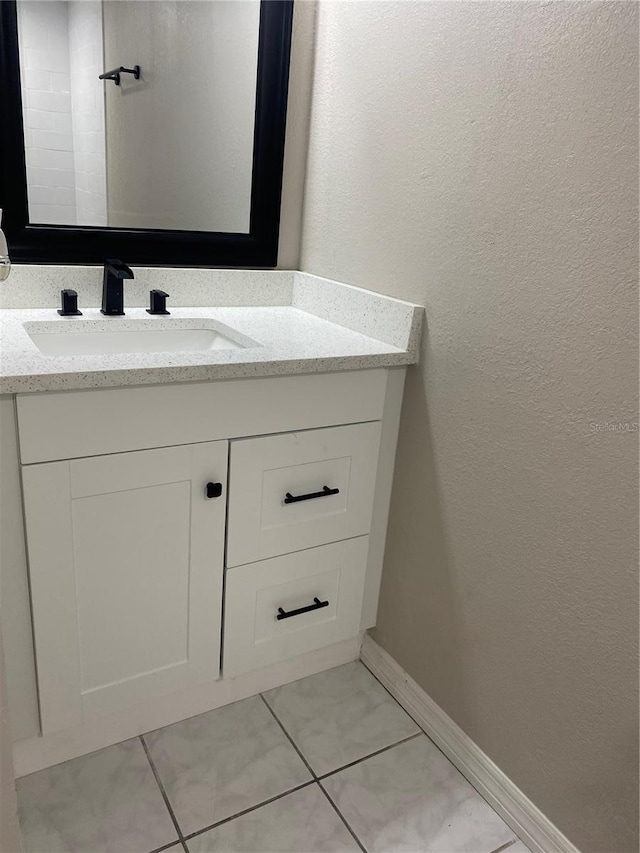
{"x": 139, "y": 113}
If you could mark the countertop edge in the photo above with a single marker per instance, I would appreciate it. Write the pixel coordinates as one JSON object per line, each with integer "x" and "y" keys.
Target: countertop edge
{"x": 132, "y": 377}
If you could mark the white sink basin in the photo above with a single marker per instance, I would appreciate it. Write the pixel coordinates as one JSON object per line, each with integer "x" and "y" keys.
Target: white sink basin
{"x": 116, "y": 336}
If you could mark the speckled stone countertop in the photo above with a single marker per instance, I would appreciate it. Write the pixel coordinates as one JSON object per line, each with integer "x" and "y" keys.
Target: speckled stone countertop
{"x": 285, "y": 322}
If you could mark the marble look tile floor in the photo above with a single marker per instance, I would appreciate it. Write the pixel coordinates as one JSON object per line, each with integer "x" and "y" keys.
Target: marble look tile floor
{"x": 327, "y": 764}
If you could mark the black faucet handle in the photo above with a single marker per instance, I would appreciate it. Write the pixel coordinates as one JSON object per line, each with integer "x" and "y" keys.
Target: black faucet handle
{"x": 158, "y": 299}
{"x": 118, "y": 268}
{"x": 69, "y": 304}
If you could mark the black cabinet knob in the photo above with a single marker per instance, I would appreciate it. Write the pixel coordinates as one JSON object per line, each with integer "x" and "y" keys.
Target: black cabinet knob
{"x": 213, "y": 490}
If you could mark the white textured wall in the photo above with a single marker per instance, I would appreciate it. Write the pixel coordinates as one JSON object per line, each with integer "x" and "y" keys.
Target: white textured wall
{"x": 481, "y": 158}
{"x": 87, "y": 107}
{"x": 46, "y": 103}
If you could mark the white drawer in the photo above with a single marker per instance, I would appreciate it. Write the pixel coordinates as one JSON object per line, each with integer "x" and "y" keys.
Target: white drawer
{"x": 297, "y": 490}
{"x": 256, "y": 595}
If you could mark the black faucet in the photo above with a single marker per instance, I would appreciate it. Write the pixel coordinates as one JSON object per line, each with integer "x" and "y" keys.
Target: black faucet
{"x": 112, "y": 290}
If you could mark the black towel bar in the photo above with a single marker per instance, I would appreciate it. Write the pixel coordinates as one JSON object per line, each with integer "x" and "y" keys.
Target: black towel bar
{"x": 115, "y": 73}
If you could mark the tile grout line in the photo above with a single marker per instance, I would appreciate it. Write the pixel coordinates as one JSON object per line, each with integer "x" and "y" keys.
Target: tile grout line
{"x": 344, "y": 766}
{"x": 370, "y": 755}
{"x": 289, "y": 738}
{"x": 314, "y": 780}
{"x": 342, "y": 817}
{"x": 163, "y": 792}
{"x": 170, "y": 846}
{"x": 249, "y": 810}
{"x": 319, "y": 779}
{"x": 505, "y": 846}
{"x": 311, "y": 770}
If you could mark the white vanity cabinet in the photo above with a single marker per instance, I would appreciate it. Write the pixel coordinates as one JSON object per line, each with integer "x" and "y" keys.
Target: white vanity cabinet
{"x": 191, "y": 544}
{"x": 126, "y": 565}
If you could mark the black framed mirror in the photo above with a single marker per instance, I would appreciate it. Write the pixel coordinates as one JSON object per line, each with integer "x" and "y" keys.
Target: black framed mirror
{"x": 104, "y": 217}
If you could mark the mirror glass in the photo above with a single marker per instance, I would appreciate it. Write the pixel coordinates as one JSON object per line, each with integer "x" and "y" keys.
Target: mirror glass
{"x": 164, "y": 143}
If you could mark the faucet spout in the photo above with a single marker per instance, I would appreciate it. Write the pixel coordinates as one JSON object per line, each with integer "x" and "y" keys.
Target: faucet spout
{"x": 115, "y": 271}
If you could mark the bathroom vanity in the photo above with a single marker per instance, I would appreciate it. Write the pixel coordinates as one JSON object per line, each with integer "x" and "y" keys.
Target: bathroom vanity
{"x": 195, "y": 464}
{"x": 199, "y": 524}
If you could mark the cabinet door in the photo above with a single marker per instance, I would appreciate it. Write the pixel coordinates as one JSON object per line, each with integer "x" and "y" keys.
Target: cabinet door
{"x": 125, "y": 559}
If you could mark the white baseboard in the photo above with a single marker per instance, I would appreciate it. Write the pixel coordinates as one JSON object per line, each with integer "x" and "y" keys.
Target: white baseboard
{"x": 516, "y": 809}
{"x": 36, "y": 753}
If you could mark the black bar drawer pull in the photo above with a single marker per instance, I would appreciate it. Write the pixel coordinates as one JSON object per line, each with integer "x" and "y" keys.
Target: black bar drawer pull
{"x": 317, "y": 605}
{"x": 326, "y": 491}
